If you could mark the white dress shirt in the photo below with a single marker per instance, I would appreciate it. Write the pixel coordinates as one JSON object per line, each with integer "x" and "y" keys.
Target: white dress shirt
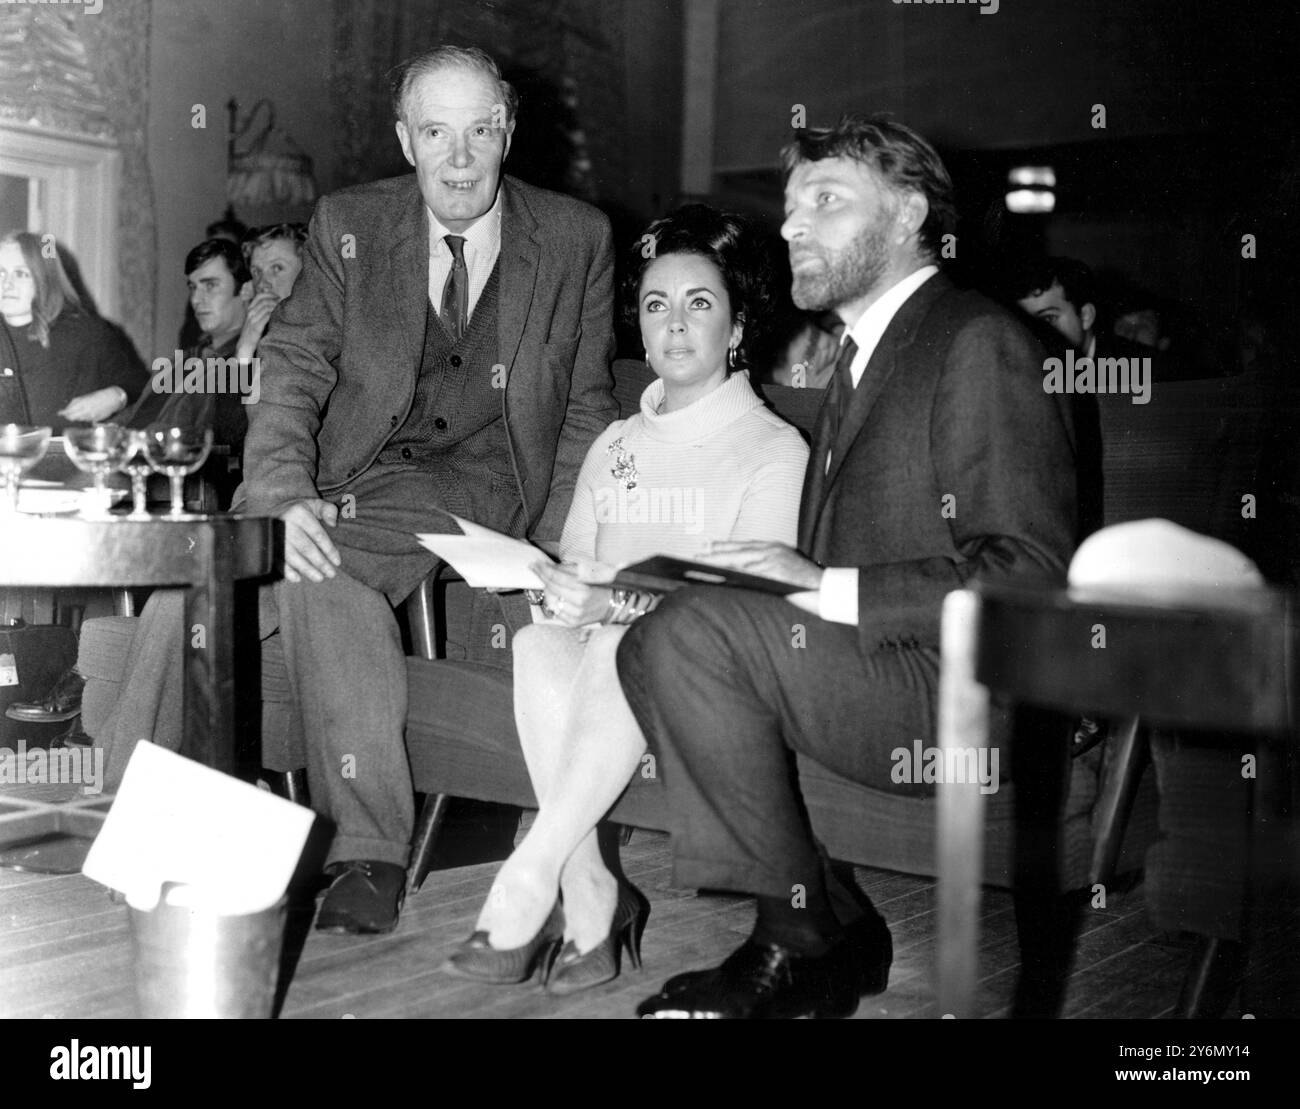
{"x": 482, "y": 245}
{"x": 837, "y": 600}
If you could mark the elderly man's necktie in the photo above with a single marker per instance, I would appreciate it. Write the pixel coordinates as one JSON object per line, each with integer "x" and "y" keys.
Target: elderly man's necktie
{"x": 455, "y": 294}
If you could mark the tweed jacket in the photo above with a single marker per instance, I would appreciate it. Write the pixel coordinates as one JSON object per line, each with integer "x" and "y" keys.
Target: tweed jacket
{"x": 341, "y": 356}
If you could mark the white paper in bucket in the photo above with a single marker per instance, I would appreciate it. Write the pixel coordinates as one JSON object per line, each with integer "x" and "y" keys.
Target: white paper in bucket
{"x": 174, "y": 820}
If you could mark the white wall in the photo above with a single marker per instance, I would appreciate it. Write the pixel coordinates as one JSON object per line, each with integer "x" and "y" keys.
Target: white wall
{"x": 204, "y": 53}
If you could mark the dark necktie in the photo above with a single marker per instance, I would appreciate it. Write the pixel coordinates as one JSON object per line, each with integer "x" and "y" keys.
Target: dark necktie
{"x": 455, "y": 294}
{"x": 843, "y": 389}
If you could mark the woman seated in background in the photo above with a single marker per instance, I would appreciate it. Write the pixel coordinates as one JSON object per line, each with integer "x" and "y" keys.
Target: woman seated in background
{"x": 60, "y": 364}
{"x": 703, "y": 460}
{"x": 274, "y": 257}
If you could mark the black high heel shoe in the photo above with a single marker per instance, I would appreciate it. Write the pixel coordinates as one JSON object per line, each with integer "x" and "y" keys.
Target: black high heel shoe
{"x": 477, "y": 959}
{"x": 573, "y": 971}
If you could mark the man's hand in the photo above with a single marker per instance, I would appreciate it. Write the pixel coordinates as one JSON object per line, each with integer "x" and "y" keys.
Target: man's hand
{"x": 308, "y": 550}
{"x": 92, "y": 407}
{"x": 259, "y": 312}
{"x": 768, "y": 560}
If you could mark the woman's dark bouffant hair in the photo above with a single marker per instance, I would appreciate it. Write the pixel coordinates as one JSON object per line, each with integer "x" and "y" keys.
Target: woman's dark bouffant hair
{"x": 739, "y": 250}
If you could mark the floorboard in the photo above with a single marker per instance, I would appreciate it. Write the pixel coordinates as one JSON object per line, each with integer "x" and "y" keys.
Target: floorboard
{"x": 65, "y": 951}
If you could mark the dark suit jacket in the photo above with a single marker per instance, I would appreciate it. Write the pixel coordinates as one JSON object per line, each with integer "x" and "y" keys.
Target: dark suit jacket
{"x": 340, "y": 358}
{"x": 951, "y": 403}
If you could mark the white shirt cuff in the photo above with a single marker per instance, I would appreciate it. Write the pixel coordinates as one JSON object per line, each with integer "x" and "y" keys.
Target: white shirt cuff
{"x": 838, "y": 597}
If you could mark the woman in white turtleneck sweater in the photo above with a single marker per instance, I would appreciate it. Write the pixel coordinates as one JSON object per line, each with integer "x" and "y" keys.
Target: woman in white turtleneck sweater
{"x": 703, "y": 460}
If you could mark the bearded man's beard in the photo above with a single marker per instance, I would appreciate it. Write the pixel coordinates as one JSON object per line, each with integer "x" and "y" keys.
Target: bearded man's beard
{"x": 849, "y": 273}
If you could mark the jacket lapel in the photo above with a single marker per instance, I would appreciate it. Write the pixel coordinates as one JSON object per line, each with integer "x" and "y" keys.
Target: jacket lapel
{"x": 518, "y": 272}
{"x": 814, "y": 480}
{"x": 408, "y": 273}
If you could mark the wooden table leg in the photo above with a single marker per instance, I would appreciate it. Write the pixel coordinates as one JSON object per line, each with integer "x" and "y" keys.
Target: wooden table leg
{"x": 1272, "y": 904}
{"x": 209, "y": 735}
{"x": 963, "y": 722}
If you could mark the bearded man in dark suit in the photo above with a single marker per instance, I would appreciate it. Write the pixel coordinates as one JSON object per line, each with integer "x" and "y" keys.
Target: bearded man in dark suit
{"x": 936, "y": 457}
{"x": 446, "y": 349}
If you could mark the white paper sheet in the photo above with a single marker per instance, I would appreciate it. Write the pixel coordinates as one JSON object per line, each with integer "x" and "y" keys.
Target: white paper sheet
{"x": 486, "y": 559}
{"x": 176, "y": 820}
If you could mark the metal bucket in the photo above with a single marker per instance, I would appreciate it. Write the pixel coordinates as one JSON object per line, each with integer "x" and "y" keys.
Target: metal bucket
{"x": 197, "y": 963}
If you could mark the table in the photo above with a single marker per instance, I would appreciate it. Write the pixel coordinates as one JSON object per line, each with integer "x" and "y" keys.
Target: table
{"x": 205, "y": 554}
{"x": 1221, "y": 659}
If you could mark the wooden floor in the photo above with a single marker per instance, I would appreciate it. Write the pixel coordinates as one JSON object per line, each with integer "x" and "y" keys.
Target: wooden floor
{"x": 65, "y": 951}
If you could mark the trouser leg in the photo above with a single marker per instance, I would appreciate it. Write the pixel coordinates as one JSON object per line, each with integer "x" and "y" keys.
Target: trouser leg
{"x": 727, "y": 686}
{"x": 343, "y": 654}
{"x": 150, "y": 703}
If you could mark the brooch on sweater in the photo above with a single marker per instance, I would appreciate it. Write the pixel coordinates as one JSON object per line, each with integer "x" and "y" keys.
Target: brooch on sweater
{"x": 624, "y": 468}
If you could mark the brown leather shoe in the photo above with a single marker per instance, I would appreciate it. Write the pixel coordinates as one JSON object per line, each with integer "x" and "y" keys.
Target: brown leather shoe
{"x": 365, "y": 897}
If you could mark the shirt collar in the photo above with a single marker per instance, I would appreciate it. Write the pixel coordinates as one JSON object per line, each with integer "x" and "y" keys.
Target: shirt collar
{"x": 484, "y": 234}
{"x": 871, "y": 324}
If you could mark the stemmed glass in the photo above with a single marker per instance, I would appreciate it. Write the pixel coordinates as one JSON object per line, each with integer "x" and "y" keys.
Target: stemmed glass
{"x": 97, "y": 450}
{"x": 135, "y": 462}
{"x": 176, "y": 452}
{"x": 21, "y": 447}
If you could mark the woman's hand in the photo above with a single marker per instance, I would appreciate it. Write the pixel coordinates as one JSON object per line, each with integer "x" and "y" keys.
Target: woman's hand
{"x": 90, "y": 408}
{"x": 259, "y": 313}
{"x": 768, "y": 560}
{"x": 569, "y": 599}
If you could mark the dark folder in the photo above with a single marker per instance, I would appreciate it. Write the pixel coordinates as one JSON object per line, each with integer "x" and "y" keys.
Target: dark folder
{"x": 662, "y": 574}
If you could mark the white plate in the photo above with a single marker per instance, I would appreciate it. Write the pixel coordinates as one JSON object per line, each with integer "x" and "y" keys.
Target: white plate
{"x": 44, "y": 500}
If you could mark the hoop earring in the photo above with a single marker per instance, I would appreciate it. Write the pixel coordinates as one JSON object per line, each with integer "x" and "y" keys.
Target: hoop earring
{"x": 731, "y": 357}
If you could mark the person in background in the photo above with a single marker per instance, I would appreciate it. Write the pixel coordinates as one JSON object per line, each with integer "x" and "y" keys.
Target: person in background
{"x": 274, "y": 258}
{"x": 60, "y": 364}
{"x": 1062, "y": 293}
{"x": 228, "y": 228}
{"x": 220, "y": 289}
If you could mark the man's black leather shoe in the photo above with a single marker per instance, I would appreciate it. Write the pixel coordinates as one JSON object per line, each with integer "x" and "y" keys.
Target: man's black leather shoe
{"x": 63, "y": 702}
{"x": 364, "y": 898}
{"x": 869, "y": 949}
{"x": 759, "y": 981}
{"x": 766, "y": 981}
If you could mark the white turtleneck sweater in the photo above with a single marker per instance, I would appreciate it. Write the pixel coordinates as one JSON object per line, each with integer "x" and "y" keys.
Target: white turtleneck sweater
{"x": 723, "y": 467}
